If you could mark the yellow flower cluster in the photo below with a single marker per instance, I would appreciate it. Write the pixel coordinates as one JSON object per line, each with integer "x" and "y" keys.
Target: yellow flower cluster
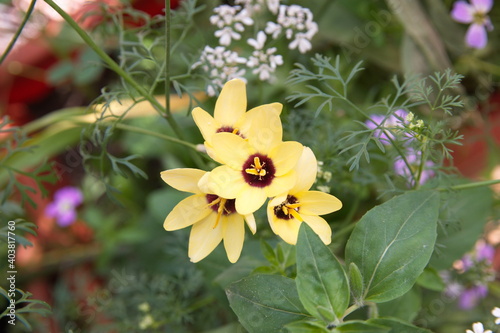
{"x": 255, "y": 165}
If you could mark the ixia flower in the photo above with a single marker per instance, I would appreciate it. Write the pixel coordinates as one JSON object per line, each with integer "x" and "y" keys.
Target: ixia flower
{"x": 255, "y": 168}
{"x": 63, "y": 208}
{"x": 212, "y": 218}
{"x": 474, "y": 14}
{"x": 230, "y": 114}
{"x": 287, "y": 211}
{"x": 478, "y": 328}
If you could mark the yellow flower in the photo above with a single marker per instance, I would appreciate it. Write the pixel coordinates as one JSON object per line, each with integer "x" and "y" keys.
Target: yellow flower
{"x": 255, "y": 168}
{"x": 287, "y": 211}
{"x": 213, "y": 218}
{"x": 230, "y": 114}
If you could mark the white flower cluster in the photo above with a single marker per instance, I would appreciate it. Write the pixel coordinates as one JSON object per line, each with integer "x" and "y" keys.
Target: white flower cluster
{"x": 222, "y": 64}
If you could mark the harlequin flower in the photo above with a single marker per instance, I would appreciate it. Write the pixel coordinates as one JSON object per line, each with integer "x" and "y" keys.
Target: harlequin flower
{"x": 63, "y": 208}
{"x": 474, "y": 13}
{"x": 287, "y": 211}
{"x": 230, "y": 114}
{"x": 478, "y": 328}
{"x": 255, "y": 168}
{"x": 212, "y": 218}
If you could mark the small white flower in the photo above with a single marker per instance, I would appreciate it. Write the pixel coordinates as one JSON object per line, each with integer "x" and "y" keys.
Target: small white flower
{"x": 259, "y": 43}
{"x": 496, "y": 313}
{"x": 273, "y": 6}
{"x": 273, "y": 29}
{"x": 478, "y": 328}
{"x": 301, "y": 42}
{"x": 323, "y": 188}
{"x": 226, "y": 34}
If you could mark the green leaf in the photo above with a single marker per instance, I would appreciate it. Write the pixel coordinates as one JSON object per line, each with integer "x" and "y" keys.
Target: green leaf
{"x": 392, "y": 244}
{"x": 355, "y": 281}
{"x": 431, "y": 280}
{"x": 321, "y": 281}
{"x": 397, "y": 326}
{"x": 307, "y": 326}
{"x": 405, "y": 307}
{"x": 265, "y": 303}
{"x": 361, "y": 327}
{"x": 465, "y": 215}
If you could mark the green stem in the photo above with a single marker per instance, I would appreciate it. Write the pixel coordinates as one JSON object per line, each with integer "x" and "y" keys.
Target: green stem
{"x": 470, "y": 185}
{"x": 117, "y": 69}
{"x": 18, "y": 32}
{"x": 350, "y": 310}
{"x": 155, "y": 134}
{"x": 168, "y": 113}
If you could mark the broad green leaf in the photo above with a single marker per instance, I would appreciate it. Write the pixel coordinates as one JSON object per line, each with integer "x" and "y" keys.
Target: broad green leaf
{"x": 431, "y": 280}
{"x": 405, "y": 307}
{"x": 397, "y": 326}
{"x": 392, "y": 244}
{"x": 463, "y": 220}
{"x": 361, "y": 327}
{"x": 321, "y": 281}
{"x": 266, "y": 303}
{"x": 304, "y": 326}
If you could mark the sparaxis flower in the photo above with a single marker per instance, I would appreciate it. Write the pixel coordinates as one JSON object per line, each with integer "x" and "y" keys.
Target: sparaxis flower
{"x": 213, "y": 218}
{"x": 230, "y": 114}
{"x": 256, "y": 167}
{"x": 287, "y": 211}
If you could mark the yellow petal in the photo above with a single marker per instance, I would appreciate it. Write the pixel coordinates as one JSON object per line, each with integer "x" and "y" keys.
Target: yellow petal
{"x": 318, "y": 203}
{"x": 232, "y": 149}
{"x": 233, "y": 233}
{"x": 250, "y": 199}
{"x": 281, "y": 184}
{"x": 265, "y": 131}
{"x": 288, "y": 230}
{"x": 252, "y": 225}
{"x": 206, "y": 123}
{"x": 204, "y": 238}
{"x": 306, "y": 168}
{"x": 320, "y": 227}
{"x": 187, "y": 212}
{"x": 285, "y": 156}
{"x": 184, "y": 179}
{"x": 245, "y": 123}
{"x": 223, "y": 181}
{"x": 232, "y": 102}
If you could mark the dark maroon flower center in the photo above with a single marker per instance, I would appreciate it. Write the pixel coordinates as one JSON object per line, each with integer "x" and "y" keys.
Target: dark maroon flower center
{"x": 258, "y": 170}
{"x": 284, "y": 210}
{"x": 229, "y": 129}
{"x": 221, "y": 206}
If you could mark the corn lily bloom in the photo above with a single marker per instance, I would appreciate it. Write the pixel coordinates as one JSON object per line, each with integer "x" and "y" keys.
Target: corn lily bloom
{"x": 287, "y": 211}
{"x": 255, "y": 168}
{"x": 212, "y": 218}
{"x": 230, "y": 114}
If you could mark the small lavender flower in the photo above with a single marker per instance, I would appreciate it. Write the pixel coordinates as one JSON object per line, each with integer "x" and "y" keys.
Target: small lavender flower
{"x": 63, "y": 208}
{"x": 470, "y": 297}
{"x": 385, "y": 127}
{"x": 413, "y": 158}
{"x": 485, "y": 252}
{"x": 474, "y": 14}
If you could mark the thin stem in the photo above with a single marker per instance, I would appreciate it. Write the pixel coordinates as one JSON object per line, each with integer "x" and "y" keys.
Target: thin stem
{"x": 168, "y": 18}
{"x": 18, "y": 32}
{"x": 117, "y": 69}
{"x": 470, "y": 185}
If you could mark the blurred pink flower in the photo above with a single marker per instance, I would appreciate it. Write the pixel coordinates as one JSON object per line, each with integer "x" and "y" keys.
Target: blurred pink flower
{"x": 474, "y": 14}
{"x": 63, "y": 208}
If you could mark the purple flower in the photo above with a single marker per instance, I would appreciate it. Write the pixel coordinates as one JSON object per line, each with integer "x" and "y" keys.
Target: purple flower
{"x": 407, "y": 170}
{"x": 384, "y": 126}
{"x": 63, "y": 208}
{"x": 471, "y": 296}
{"x": 485, "y": 252}
{"x": 474, "y": 14}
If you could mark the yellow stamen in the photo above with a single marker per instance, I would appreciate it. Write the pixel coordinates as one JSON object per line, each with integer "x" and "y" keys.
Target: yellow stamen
{"x": 296, "y": 214}
{"x": 292, "y": 209}
{"x": 256, "y": 169}
{"x": 236, "y": 131}
{"x": 220, "y": 210}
